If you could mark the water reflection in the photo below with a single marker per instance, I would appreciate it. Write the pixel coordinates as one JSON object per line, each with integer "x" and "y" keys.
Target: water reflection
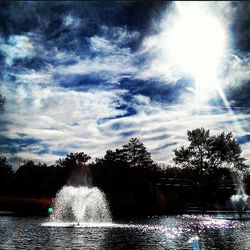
{"x": 173, "y": 232}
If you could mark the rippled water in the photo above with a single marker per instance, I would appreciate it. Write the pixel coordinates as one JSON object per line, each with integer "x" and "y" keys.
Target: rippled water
{"x": 172, "y": 232}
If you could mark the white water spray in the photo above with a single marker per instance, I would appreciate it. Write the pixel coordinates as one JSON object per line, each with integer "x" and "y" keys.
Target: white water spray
{"x": 240, "y": 200}
{"x": 81, "y": 205}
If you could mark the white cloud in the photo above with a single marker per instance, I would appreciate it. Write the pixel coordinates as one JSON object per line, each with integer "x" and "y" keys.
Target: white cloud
{"x": 237, "y": 70}
{"x": 17, "y": 46}
{"x": 100, "y": 44}
{"x": 45, "y": 158}
{"x": 71, "y": 21}
{"x": 162, "y": 129}
{"x": 34, "y": 77}
{"x": 111, "y": 62}
{"x": 62, "y": 120}
{"x": 112, "y": 66}
{"x": 119, "y": 35}
{"x": 66, "y": 120}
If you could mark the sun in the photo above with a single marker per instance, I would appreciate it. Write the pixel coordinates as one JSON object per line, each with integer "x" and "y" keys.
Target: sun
{"x": 196, "y": 43}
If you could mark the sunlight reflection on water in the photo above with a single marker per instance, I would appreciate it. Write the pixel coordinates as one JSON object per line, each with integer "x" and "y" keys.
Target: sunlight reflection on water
{"x": 170, "y": 232}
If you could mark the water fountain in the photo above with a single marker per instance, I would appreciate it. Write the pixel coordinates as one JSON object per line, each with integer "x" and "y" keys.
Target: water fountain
{"x": 240, "y": 200}
{"x": 80, "y": 205}
{"x": 80, "y": 202}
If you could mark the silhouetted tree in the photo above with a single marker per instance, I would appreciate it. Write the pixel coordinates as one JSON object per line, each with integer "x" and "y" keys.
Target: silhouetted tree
{"x": 136, "y": 154}
{"x": 38, "y": 180}
{"x": 73, "y": 160}
{"x": 207, "y": 153}
{"x": 5, "y": 167}
{"x": 111, "y": 171}
{"x": 28, "y": 179}
{"x": 126, "y": 175}
{"x": 131, "y": 163}
{"x": 75, "y": 170}
{"x": 6, "y": 174}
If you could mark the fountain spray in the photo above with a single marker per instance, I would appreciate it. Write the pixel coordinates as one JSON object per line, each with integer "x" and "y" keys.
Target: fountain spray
{"x": 240, "y": 200}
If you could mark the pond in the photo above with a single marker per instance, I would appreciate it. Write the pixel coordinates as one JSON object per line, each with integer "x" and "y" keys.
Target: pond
{"x": 166, "y": 232}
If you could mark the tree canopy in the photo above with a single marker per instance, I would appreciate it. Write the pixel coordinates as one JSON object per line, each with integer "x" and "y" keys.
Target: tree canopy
{"x": 136, "y": 154}
{"x": 133, "y": 183}
{"x": 6, "y": 173}
{"x": 73, "y": 160}
{"x": 207, "y": 153}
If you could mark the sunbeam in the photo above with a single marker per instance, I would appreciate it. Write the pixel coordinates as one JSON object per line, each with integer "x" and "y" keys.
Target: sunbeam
{"x": 196, "y": 43}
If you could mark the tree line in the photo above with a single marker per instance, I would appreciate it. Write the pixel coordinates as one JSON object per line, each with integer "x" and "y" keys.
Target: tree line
{"x": 203, "y": 175}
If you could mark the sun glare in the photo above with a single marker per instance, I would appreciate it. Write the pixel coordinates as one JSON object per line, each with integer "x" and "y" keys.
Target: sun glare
{"x": 196, "y": 44}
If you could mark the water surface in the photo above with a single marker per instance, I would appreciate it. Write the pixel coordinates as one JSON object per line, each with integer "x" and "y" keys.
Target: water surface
{"x": 168, "y": 232}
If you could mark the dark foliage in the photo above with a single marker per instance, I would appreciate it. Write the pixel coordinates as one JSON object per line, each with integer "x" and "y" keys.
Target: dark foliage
{"x": 133, "y": 183}
{"x": 74, "y": 169}
{"x": 37, "y": 180}
{"x": 207, "y": 153}
{"x": 205, "y": 156}
{"x": 6, "y": 175}
{"x": 125, "y": 176}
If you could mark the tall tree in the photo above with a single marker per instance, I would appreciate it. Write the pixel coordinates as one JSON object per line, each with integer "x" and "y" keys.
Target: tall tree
{"x": 6, "y": 174}
{"x": 73, "y": 160}
{"x": 76, "y": 171}
{"x": 207, "y": 153}
{"x": 137, "y": 155}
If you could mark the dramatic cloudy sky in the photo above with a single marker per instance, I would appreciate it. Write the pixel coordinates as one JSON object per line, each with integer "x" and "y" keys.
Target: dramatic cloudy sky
{"x": 87, "y": 76}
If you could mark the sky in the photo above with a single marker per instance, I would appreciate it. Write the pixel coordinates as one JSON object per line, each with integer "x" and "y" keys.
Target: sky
{"x": 88, "y": 76}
